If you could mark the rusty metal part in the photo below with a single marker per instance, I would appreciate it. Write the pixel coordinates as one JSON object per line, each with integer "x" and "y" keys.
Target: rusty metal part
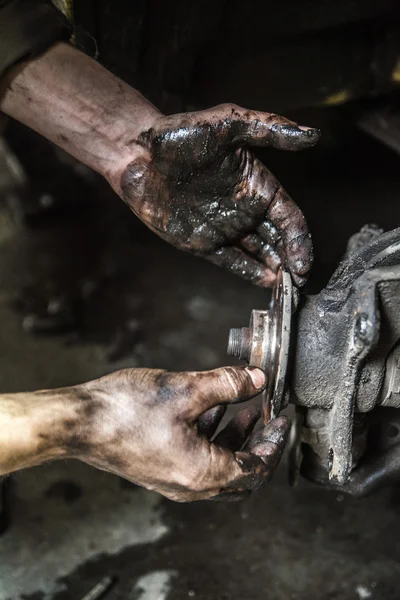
{"x": 345, "y": 366}
{"x": 346, "y": 360}
{"x": 380, "y": 466}
{"x": 265, "y": 343}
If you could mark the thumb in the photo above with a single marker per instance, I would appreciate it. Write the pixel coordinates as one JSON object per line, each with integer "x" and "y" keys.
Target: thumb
{"x": 258, "y": 128}
{"x": 225, "y": 386}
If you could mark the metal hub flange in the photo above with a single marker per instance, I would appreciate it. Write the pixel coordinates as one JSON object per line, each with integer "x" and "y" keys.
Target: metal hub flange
{"x": 265, "y": 343}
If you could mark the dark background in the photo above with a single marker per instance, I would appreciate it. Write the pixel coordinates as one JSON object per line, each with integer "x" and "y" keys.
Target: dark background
{"x": 125, "y": 298}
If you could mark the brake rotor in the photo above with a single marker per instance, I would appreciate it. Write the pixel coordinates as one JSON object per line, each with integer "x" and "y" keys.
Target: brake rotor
{"x": 265, "y": 343}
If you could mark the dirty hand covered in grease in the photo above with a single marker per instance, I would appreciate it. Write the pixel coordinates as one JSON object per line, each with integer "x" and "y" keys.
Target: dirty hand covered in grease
{"x": 196, "y": 183}
{"x": 157, "y": 429}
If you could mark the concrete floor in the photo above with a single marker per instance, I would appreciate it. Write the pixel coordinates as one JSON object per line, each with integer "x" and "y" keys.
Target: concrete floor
{"x": 71, "y": 525}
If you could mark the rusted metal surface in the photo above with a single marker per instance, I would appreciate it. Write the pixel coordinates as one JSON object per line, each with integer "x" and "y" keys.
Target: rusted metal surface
{"x": 346, "y": 361}
{"x": 265, "y": 343}
{"x": 344, "y": 364}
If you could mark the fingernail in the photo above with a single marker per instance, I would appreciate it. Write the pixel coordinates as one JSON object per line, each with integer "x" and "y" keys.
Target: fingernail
{"x": 257, "y": 376}
{"x": 311, "y": 131}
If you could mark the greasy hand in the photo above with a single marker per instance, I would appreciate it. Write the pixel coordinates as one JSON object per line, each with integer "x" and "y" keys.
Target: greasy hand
{"x": 155, "y": 429}
{"x": 198, "y": 185}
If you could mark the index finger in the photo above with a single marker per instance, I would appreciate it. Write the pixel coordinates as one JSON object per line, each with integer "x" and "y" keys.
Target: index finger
{"x": 282, "y": 230}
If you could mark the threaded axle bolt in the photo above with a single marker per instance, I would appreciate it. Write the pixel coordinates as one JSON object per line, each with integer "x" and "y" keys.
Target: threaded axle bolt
{"x": 239, "y": 343}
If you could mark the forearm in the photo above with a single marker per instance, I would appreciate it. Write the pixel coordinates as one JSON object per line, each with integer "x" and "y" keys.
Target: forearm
{"x": 36, "y": 427}
{"x": 73, "y": 101}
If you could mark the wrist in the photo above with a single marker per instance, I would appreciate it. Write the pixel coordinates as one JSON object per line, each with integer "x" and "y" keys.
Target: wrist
{"x": 73, "y": 101}
{"x": 128, "y": 146}
{"x": 36, "y": 427}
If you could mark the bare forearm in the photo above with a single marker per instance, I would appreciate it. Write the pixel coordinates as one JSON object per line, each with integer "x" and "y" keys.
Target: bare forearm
{"x": 36, "y": 427}
{"x": 73, "y": 101}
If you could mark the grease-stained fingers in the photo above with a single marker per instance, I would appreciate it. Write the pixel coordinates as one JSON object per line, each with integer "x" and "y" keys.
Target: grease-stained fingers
{"x": 252, "y": 243}
{"x": 208, "y": 423}
{"x": 268, "y": 233}
{"x": 292, "y": 227}
{"x": 280, "y": 234}
{"x": 262, "y": 251}
{"x": 235, "y": 125}
{"x": 247, "y": 470}
{"x": 238, "y": 262}
{"x": 231, "y": 475}
{"x": 233, "y": 472}
{"x": 264, "y": 129}
{"x": 285, "y": 230}
{"x": 236, "y": 432}
{"x": 269, "y": 442}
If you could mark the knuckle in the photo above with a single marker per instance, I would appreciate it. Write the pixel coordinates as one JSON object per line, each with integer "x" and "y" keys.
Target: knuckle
{"x": 229, "y": 109}
{"x": 168, "y": 387}
{"x": 232, "y": 381}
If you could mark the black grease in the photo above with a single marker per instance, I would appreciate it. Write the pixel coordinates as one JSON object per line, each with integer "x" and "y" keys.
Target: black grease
{"x": 291, "y": 137}
{"x": 203, "y": 191}
{"x": 276, "y": 432}
{"x": 208, "y": 423}
{"x": 165, "y": 389}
